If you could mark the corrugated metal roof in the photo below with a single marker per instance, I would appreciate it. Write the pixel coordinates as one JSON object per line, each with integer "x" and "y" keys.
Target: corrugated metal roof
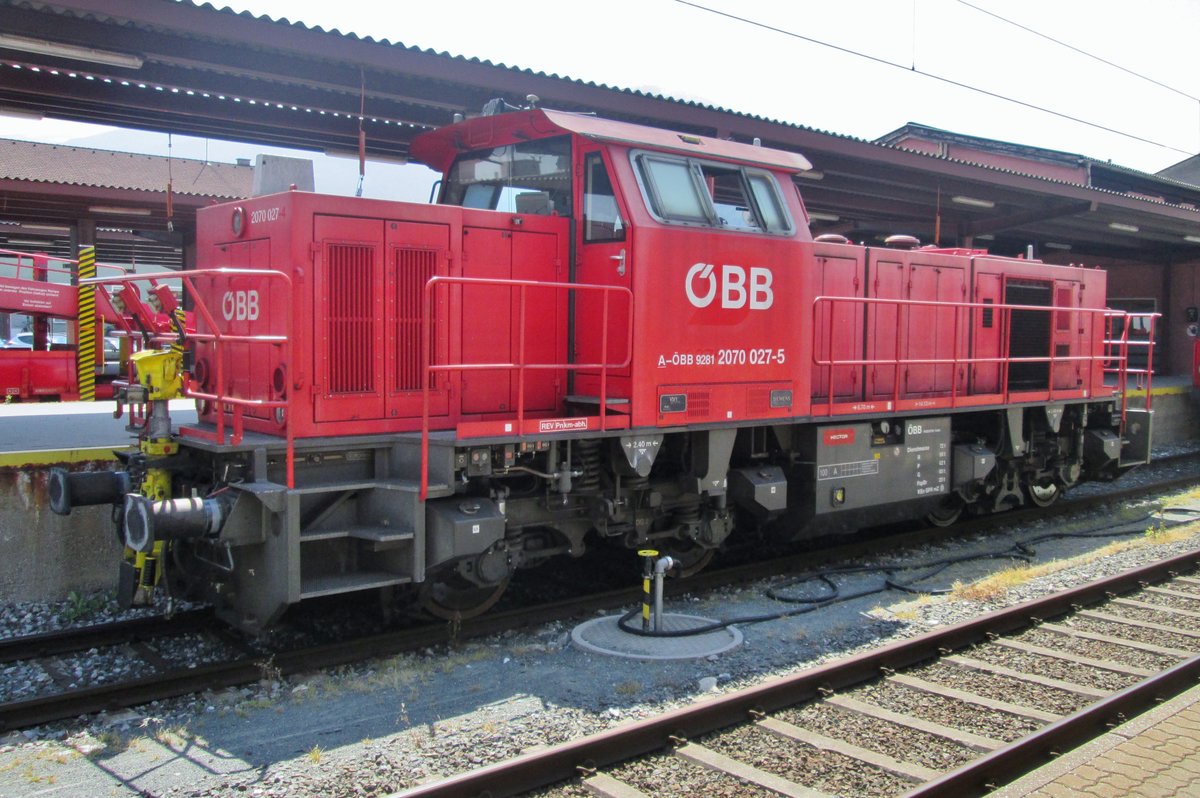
{"x": 163, "y": 13}
{"x": 82, "y": 166}
{"x": 712, "y": 108}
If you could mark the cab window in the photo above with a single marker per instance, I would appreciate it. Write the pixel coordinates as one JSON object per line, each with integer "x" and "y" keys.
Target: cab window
{"x": 672, "y": 189}
{"x": 601, "y": 217}
{"x": 688, "y": 191}
{"x": 530, "y": 177}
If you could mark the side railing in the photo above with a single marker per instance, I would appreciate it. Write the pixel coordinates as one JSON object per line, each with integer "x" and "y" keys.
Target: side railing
{"x": 1101, "y": 348}
{"x": 1123, "y": 346}
{"x": 520, "y": 365}
{"x": 222, "y": 397}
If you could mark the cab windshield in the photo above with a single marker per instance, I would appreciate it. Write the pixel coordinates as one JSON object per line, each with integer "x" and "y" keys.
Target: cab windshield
{"x": 532, "y": 177}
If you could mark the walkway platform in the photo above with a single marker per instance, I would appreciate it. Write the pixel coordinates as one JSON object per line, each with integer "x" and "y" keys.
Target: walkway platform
{"x": 1155, "y": 755}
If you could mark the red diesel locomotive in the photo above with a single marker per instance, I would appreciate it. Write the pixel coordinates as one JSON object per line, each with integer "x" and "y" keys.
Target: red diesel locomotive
{"x": 602, "y": 333}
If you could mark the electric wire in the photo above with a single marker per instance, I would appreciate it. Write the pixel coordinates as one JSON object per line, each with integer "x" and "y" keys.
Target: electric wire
{"x": 1079, "y": 50}
{"x": 941, "y": 78}
{"x": 831, "y": 593}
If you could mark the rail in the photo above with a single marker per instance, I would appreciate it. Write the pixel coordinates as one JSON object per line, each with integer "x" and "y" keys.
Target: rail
{"x": 221, "y": 397}
{"x": 542, "y": 768}
{"x": 430, "y": 369}
{"x": 1112, "y": 356}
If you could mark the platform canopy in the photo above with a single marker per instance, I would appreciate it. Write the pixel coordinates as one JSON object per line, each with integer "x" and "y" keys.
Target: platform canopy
{"x": 176, "y": 67}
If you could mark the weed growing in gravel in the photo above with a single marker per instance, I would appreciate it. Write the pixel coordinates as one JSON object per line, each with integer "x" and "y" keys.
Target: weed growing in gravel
{"x": 396, "y": 674}
{"x": 114, "y": 742}
{"x": 243, "y": 709}
{"x": 628, "y": 689}
{"x": 175, "y": 737}
{"x": 33, "y": 777}
{"x": 1161, "y": 534}
{"x": 991, "y": 587}
{"x": 268, "y": 671}
{"x": 314, "y": 755}
{"x": 999, "y": 583}
{"x": 80, "y": 606}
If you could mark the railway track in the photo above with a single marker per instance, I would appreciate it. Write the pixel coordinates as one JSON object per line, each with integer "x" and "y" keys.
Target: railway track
{"x": 240, "y": 664}
{"x": 955, "y": 712}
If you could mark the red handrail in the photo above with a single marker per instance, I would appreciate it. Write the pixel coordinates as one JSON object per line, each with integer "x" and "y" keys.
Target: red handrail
{"x": 520, "y": 366}
{"x": 1122, "y": 345}
{"x": 35, "y": 267}
{"x": 224, "y": 401}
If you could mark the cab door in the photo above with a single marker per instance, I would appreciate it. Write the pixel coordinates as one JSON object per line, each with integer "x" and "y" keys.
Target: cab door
{"x": 604, "y": 249}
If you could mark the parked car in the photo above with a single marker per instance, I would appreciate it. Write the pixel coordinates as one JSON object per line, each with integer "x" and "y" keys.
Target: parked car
{"x": 24, "y": 340}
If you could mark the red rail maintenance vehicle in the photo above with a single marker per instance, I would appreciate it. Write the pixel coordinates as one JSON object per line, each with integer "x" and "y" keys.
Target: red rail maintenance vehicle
{"x": 52, "y": 358}
{"x": 602, "y": 333}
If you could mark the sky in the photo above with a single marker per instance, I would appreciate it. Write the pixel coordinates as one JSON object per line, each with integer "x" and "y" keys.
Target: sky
{"x": 766, "y": 64}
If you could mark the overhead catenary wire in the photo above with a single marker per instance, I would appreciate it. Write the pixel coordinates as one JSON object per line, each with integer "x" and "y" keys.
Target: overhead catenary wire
{"x": 1079, "y": 50}
{"x": 940, "y": 78}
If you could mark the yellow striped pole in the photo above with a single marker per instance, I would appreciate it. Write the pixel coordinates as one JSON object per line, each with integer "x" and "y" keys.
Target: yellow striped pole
{"x": 85, "y": 352}
{"x": 647, "y": 556}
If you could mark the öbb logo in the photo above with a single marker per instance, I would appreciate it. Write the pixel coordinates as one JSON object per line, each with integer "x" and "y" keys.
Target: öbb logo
{"x": 240, "y": 305}
{"x": 702, "y": 286}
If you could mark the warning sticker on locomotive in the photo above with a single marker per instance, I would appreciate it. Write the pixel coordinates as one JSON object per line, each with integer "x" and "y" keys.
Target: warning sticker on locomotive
{"x": 724, "y": 357}
{"x": 839, "y": 437}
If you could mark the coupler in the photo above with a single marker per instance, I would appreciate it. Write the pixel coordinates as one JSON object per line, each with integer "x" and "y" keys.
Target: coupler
{"x": 147, "y": 522}
{"x": 85, "y": 488}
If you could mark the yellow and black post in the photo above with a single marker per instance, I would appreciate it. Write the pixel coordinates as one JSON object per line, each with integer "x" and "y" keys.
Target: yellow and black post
{"x": 85, "y": 345}
{"x": 159, "y": 372}
{"x": 647, "y": 556}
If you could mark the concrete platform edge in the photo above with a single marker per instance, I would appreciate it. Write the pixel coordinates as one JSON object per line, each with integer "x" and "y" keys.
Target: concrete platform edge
{"x": 47, "y": 457}
{"x": 1089, "y": 751}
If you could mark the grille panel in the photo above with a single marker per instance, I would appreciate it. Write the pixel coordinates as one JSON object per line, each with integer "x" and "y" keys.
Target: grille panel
{"x": 349, "y": 333}
{"x": 414, "y": 267}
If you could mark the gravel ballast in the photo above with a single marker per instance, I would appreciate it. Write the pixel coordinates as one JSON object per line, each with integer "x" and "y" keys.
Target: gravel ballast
{"x": 381, "y": 726}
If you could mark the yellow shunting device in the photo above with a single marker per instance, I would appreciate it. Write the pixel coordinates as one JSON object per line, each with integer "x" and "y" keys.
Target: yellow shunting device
{"x": 160, "y": 373}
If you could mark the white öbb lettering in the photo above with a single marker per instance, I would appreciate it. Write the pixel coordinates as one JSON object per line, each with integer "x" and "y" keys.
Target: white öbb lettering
{"x": 240, "y": 305}
{"x": 735, "y": 289}
{"x": 264, "y": 215}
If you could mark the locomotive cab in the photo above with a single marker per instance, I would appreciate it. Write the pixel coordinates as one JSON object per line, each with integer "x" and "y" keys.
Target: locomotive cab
{"x": 702, "y": 232}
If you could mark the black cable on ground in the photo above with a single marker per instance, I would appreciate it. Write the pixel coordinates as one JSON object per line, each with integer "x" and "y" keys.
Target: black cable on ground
{"x": 1018, "y": 550}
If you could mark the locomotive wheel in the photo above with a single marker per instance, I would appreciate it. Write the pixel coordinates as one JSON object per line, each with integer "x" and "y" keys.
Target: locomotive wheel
{"x": 947, "y": 512}
{"x": 692, "y": 558}
{"x": 1043, "y": 495}
{"x": 451, "y": 597}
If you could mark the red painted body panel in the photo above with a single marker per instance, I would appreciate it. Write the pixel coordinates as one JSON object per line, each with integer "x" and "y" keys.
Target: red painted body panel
{"x": 731, "y": 326}
{"x": 26, "y": 374}
{"x": 359, "y": 271}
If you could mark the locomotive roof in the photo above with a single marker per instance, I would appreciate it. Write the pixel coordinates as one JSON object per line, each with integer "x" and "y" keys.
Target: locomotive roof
{"x": 438, "y": 148}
